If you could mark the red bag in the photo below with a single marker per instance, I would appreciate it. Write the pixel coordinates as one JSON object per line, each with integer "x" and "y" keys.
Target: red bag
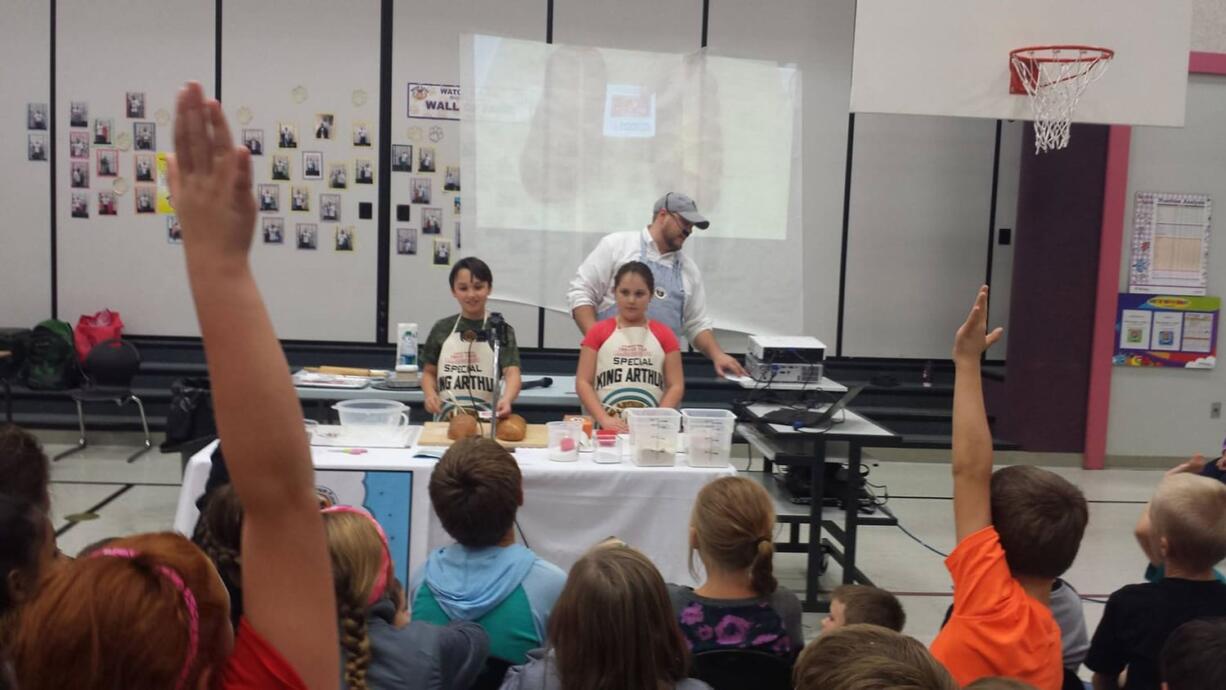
{"x": 92, "y": 330}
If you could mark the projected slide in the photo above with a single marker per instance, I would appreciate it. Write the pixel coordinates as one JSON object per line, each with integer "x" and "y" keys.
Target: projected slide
{"x": 584, "y": 139}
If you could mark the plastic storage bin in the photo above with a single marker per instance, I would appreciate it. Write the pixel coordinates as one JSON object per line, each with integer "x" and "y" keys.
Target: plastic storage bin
{"x": 653, "y": 435}
{"x": 372, "y": 413}
{"x": 564, "y": 439}
{"x": 708, "y": 436}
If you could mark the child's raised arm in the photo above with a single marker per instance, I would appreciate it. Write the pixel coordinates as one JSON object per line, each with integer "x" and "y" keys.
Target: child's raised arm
{"x": 287, "y": 577}
{"x": 972, "y": 443}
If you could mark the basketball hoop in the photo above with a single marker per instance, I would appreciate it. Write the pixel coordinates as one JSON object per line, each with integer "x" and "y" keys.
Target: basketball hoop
{"x": 1054, "y": 77}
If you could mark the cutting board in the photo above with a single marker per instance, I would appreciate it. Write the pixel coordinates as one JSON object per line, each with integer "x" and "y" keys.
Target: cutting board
{"x": 435, "y": 434}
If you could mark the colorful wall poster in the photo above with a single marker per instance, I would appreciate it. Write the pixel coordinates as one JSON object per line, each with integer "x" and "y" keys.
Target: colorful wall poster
{"x": 1166, "y": 331}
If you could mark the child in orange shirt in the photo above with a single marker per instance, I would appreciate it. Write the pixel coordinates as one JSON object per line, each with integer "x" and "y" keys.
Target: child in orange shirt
{"x": 1018, "y": 530}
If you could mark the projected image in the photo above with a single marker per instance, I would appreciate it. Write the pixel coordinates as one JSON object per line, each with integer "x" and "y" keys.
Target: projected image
{"x": 629, "y": 111}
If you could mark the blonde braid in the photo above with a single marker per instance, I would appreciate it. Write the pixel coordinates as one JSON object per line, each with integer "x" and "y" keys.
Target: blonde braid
{"x": 355, "y": 641}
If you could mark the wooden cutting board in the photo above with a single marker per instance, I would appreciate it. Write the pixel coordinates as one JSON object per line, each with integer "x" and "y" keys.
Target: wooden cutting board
{"x": 435, "y": 434}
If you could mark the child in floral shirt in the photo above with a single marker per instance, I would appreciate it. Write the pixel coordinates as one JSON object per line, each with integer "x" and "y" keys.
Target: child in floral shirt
{"x": 740, "y": 606}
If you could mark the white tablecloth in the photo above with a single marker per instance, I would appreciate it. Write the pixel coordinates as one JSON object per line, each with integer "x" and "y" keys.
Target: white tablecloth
{"x": 567, "y": 506}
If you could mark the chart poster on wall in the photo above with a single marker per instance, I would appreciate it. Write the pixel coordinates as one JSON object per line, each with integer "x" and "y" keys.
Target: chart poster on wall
{"x": 1166, "y": 331}
{"x": 434, "y": 101}
{"x": 1170, "y": 244}
{"x": 388, "y": 496}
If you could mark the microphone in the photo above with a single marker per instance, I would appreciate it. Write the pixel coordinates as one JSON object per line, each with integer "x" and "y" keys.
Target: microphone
{"x": 545, "y": 382}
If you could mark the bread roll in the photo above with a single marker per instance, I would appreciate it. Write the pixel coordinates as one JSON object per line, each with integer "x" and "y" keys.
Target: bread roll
{"x": 462, "y": 426}
{"x": 513, "y": 428}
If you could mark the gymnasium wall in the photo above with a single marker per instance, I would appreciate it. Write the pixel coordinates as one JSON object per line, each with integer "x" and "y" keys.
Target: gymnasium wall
{"x": 1157, "y": 411}
{"x": 25, "y": 232}
{"x": 917, "y": 226}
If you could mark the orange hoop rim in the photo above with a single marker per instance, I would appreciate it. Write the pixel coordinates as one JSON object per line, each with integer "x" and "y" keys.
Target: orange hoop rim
{"x": 1103, "y": 53}
{"x": 1031, "y": 60}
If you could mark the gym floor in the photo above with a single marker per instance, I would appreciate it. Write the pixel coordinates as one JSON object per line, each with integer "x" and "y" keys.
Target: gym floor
{"x": 96, "y": 494}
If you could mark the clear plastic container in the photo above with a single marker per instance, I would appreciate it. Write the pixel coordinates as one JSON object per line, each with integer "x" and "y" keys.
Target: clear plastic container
{"x": 371, "y": 412}
{"x": 653, "y": 435}
{"x": 708, "y": 436}
{"x": 564, "y": 439}
{"x": 608, "y": 450}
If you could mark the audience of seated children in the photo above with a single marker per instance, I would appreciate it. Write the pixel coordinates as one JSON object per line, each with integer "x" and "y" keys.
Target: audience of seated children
{"x": 868, "y": 657}
{"x": 851, "y": 604}
{"x": 740, "y": 605}
{"x": 1194, "y": 656}
{"x": 150, "y": 611}
{"x": 1018, "y": 529}
{"x": 1188, "y": 533}
{"x": 485, "y": 577}
{"x": 611, "y": 628}
{"x": 381, "y": 649}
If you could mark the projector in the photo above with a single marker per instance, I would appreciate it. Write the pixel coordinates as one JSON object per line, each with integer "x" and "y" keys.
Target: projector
{"x": 786, "y": 349}
{"x": 785, "y": 359}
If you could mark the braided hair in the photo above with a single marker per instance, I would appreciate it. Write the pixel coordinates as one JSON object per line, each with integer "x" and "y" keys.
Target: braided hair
{"x": 218, "y": 533}
{"x": 357, "y": 558}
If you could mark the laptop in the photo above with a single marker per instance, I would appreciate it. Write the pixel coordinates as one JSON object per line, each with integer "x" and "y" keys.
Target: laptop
{"x": 800, "y": 419}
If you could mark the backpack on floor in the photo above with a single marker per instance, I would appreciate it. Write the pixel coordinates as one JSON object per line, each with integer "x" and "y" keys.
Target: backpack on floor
{"x": 51, "y": 360}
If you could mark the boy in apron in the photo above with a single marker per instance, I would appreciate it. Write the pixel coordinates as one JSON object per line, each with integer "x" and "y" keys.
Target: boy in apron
{"x": 458, "y": 370}
{"x": 628, "y": 360}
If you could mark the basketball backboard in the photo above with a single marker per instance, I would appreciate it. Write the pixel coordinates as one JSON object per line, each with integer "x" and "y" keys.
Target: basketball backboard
{"x": 951, "y": 57}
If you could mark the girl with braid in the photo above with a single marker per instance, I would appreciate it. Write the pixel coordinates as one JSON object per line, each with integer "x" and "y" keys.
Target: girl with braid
{"x": 219, "y": 534}
{"x": 740, "y": 605}
{"x": 380, "y": 648}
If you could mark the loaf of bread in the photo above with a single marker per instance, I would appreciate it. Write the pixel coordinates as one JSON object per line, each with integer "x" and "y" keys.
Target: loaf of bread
{"x": 513, "y": 428}
{"x": 462, "y": 426}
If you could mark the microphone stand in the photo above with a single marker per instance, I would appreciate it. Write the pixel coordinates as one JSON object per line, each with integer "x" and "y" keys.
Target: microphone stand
{"x": 496, "y": 334}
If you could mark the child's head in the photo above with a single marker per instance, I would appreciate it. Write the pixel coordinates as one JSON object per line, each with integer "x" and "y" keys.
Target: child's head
{"x": 147, "y": 611}
{"x": 633, "y": 286}
{"x": 1040, "y": 517}
{"x": 868, "y": 656}
{"x": 1194, "y": 656}
{"x": 851, "y": 604}
{"x": 471, "y": 282}
{"x": 27, "y": 553}
{"x": 1188, "y": 513}
{"x": 360, "y": 570}
{"x": 24, "y": 468}
{"x": 637, "y": 643}
{"x": 219, "y": 533}
{"x": 732, "y": 528}
{"x": 476, "y": 490}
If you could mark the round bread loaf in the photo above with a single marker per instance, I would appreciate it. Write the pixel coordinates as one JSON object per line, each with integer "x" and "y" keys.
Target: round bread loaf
{"x": 462, "y": 426}
{"x": 513, "y": 428}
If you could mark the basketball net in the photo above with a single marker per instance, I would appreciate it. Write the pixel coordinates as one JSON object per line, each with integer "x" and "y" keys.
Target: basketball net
{"x": 1054, "y": 78}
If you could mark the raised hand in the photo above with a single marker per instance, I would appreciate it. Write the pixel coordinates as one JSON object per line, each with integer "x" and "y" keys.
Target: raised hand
{"x": 210, "y": 181}
{"x": 972, "y": 339}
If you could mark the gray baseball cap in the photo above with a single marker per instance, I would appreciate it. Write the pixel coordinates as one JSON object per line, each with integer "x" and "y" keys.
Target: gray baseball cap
{"x": 682, "y": 205}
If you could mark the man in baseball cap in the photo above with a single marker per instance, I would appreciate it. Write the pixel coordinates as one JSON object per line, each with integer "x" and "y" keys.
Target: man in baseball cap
{"x": 679, "y": 301}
